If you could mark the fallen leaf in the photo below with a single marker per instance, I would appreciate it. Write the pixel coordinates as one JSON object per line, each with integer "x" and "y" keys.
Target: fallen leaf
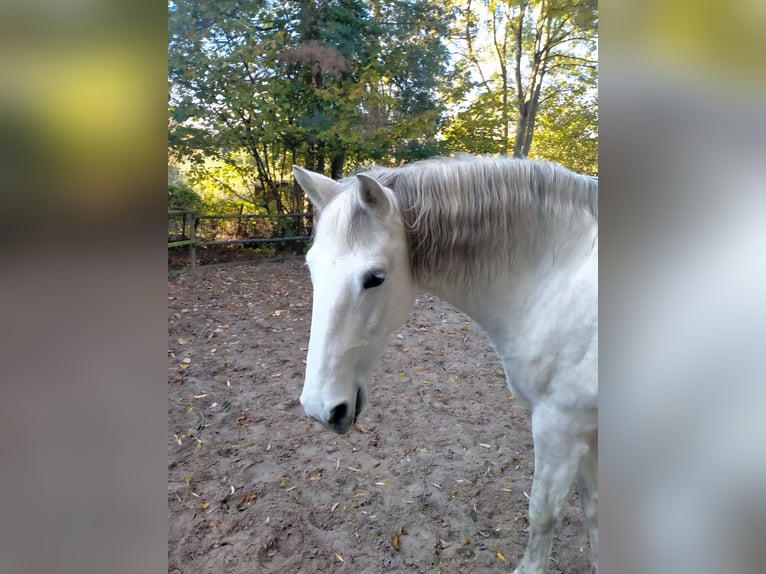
{"x": 500, "y": 556}
{"x": 205, "y": 506}
{"x": 395, "y": 541}
{"x": 315, "y": 478}
{"x": 246, "y": 499}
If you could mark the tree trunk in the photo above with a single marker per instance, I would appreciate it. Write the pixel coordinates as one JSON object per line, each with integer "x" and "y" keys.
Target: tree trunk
{"x": 521, "y": 130}
{"x": 336, "y": 167}
{"x": 521, "y": 126}
{"x": 502, "y": 54}
{"x": 320, "y": 161}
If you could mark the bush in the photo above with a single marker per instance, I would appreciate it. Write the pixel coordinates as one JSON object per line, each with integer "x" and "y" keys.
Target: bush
{"x": 183, "y": 197}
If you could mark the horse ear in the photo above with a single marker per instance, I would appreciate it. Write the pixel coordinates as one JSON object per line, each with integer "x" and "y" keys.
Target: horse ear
{"x": 373, "y": 196}
{"x": 319, "y": 188}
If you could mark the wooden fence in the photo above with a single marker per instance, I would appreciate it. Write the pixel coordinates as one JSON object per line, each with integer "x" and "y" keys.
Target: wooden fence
{"x": 186, "y": 229}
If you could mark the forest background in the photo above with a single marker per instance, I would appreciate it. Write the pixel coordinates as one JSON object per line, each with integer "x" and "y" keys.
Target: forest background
{"x": 333, "y": 85}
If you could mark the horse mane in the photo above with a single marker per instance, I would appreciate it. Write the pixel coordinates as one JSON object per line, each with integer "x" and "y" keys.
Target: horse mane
{"x": 463, "y": 213}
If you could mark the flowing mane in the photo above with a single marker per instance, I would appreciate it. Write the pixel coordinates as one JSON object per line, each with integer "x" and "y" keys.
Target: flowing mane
{"x": 465, "y": 212}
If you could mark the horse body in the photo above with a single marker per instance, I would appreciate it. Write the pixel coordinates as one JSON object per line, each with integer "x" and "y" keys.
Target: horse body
{"x": 512, "y": 243}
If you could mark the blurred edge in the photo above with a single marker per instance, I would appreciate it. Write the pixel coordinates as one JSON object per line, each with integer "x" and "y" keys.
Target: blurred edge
{"x": 83, "y": 286}
{"x": 683, "y": 281}
{"x": 82, "y": 109}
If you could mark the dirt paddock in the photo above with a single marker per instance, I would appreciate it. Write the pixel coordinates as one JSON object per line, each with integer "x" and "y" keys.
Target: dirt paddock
{"x": 434, "y": 478}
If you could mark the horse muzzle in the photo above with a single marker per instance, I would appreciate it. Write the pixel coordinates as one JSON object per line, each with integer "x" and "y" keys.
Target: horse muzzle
{"x": 341, "y": 416}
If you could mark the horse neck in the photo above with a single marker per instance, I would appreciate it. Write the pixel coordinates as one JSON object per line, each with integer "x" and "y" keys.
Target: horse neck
{"x": 534, "y": 292}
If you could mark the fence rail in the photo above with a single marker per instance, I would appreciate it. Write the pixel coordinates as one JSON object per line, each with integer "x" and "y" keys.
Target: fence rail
{"x": 256, "y": 216}
{"x": 187, "y": 229}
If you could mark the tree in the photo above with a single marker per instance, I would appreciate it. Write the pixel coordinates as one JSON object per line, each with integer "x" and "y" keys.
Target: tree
{"x": 567, "y": 128}
{"x": 256, "y": 86}
{"x": 220, "y": 96}
{"x": 514, "y": 47}
{"x": 316, "y": 82}
{"x": 547, "y": 38}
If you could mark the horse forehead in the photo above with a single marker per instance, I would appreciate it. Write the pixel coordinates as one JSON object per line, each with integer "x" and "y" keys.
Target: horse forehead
{"x": 344, "y": 230}
{"x": 332, "y": 252}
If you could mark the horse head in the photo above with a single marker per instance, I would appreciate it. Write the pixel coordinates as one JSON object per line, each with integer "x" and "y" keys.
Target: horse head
{"x": 362, "y": 292}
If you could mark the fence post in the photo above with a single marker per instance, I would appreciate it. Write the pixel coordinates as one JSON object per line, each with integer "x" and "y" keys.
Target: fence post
{"x": 193, "y": 245}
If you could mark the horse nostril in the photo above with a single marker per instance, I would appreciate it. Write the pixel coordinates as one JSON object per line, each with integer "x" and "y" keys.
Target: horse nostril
{"x": 338, "y": 414}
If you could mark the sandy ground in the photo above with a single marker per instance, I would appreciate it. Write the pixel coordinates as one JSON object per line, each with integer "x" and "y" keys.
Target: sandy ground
{"x": 434, "y": 478}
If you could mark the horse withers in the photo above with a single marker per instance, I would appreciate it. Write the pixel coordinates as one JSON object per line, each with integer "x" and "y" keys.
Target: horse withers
{"x": 511, "y": 242}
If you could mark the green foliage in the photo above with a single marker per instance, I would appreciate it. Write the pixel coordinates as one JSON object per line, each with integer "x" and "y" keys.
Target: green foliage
{"x": 475, "y": 128}
{"x": 513, "y": 54}
{"x": 323, "y": 83}
{"x": 567, "y": 131}
{"x": 182, "y": 197}
{"x": 255, "y": 87}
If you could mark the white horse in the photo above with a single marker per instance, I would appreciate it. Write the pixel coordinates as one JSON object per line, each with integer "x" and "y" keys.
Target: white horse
{"x": 514, "y": 244}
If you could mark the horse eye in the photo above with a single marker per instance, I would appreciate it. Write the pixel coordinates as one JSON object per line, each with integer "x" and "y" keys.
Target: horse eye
{"x": 373, "y": 279}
